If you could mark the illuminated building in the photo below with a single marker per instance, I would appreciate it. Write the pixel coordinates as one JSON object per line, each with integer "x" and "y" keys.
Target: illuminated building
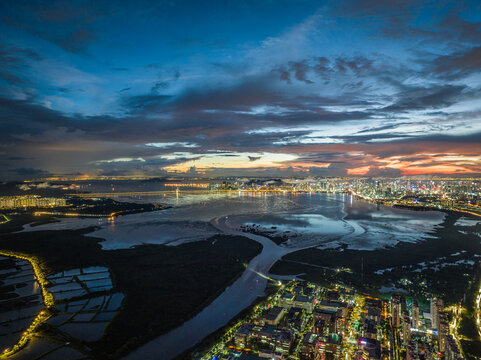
{"x": 415, "y": 314}
{"x": 437, "y": 306}
{"x": 28, "y": 201}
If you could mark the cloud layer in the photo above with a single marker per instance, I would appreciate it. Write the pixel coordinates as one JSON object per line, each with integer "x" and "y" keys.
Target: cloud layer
{"x": 253, "y": 88}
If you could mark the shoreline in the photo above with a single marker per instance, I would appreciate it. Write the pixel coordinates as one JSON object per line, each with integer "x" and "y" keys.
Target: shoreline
{"x": 413, "y": 207}
{"x": 47, "y": 299}
{"x": 262, "y": 235}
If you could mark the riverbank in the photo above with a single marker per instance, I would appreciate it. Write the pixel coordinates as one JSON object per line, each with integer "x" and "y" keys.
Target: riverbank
{"x": 238, "y": 295}
{"x": 201, "y": 348}
{"x": 47, "y": 298}
{"x": 163, "y": 286}
{"x": 437, "y": 265}
{"x": 468, "y": 319}
{"x": 416, "y": 207}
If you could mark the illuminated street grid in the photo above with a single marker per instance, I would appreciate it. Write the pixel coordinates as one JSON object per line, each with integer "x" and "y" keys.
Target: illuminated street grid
{"x": 304, "y": 321}
{"x": 438, "y": 193}
{"x": 449, "y": 193}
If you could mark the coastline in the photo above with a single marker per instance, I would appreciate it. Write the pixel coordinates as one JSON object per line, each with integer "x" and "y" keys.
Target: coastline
{"x": 47, "y": 299}
{"x": 413, "y": 207}
{"x": 214, "y": 296}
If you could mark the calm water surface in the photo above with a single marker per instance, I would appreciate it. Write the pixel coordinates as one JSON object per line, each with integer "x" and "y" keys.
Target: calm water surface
{"x": 321, "y": 220}
{"x": 324, "y": 220}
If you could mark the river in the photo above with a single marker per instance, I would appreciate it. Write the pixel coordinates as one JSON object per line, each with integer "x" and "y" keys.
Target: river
{"x": 244, "y": 290}
{"x": 320, "y": 220}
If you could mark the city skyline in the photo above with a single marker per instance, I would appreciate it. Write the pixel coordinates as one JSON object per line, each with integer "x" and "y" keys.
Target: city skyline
{"x": 270, "y": 88}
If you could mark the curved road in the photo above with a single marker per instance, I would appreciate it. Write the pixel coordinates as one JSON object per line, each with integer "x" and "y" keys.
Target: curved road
{"x": 233, "y": 300}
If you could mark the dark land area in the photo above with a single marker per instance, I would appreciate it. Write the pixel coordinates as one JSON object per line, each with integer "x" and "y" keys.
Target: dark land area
{"x": 16, "y": 188}
{"x": 470, "y": 340}
{"x": 270, "y": 234}
{"x": 399, "y": 262}
{"x": 164, "y": 286}
{"x": 109, "y": 207}
{"x": 86, "y": 208}
{"x": 16, "y": 222}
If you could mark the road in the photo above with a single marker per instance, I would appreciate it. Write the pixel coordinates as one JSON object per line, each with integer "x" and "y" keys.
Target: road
{"x": 233, "y": 300}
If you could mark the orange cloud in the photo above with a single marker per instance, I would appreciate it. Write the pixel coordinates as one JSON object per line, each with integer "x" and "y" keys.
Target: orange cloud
{"x": 309, "y": 164}
{"x": 363, "y": 170}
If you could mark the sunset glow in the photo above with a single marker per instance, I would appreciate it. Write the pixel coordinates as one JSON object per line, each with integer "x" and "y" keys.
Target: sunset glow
{"x": 334, "y": 89}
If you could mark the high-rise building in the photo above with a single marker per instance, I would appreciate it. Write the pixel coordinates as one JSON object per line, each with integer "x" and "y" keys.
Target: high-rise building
{"x": 452, "y": 350}
{"x": 437, "y": 306}
{"x": 443, "y": 330}
{"x": 415, "y": 314}
{"x": 406, "y": 328}
{"x": 398, "y": 304}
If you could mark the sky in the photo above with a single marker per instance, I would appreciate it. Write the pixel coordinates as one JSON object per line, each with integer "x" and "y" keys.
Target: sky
{"x": 240, "y": 88}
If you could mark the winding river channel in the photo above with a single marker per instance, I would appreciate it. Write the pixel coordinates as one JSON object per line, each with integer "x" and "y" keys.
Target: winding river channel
{"x": 234, "y": 299}
{"x": 309, "y": 220}
{"x": 253, "y": 281}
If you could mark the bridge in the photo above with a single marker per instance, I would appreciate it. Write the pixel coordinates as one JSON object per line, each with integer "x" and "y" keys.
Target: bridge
{"x": 134, "y": 193}
{"x": 176, "y": 191}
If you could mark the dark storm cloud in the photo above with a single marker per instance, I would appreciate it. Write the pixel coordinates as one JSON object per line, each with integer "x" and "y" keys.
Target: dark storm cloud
{"x": 396, "y": 63}
{"x": 18, "y": 158}
{"x": 322, "y": 65}
{"x": 229, "y": 155}
{"x": 285, "y": 75}
{"x": 454, "y": 27}
{"x": 68, "y": 24}
{"x": 324, "y": 157}
{"x": 398, "y": 138}
{"x": 30, "y": 172}
{"x": 21, "y": 116}
{"x": 449, "y": 29}
{"x": 148, "y": 166}
{"x": 145, "y": 102}
{"x": 159, "y": 86}
{"x": 300, "y": 70}
{"x": 434, "y": 97}
{"x": 458, "y": 64}
{"x": 218, "y": 112}
{"x": 13, "y": 60}
{"x": 325, "y": 68}
{"x": 358, "y": 139}
{"x": 22, "y": 120}
{"x": 250, "y": 92}
{"x": 381, "y": 128}
{"x": 473, "y": 138}
{"x": 234, "y": 106}
{"x": 357, "y": 65}
{"x": 376, "y": 171}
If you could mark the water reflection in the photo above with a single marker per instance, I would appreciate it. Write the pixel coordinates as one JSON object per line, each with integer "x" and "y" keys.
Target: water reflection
{"x": 321, "y": 220}
{"x": 315, "y": 219}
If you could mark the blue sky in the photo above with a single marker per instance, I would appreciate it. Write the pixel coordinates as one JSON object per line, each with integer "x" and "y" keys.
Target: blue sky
{"x": 268, "y": 88}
